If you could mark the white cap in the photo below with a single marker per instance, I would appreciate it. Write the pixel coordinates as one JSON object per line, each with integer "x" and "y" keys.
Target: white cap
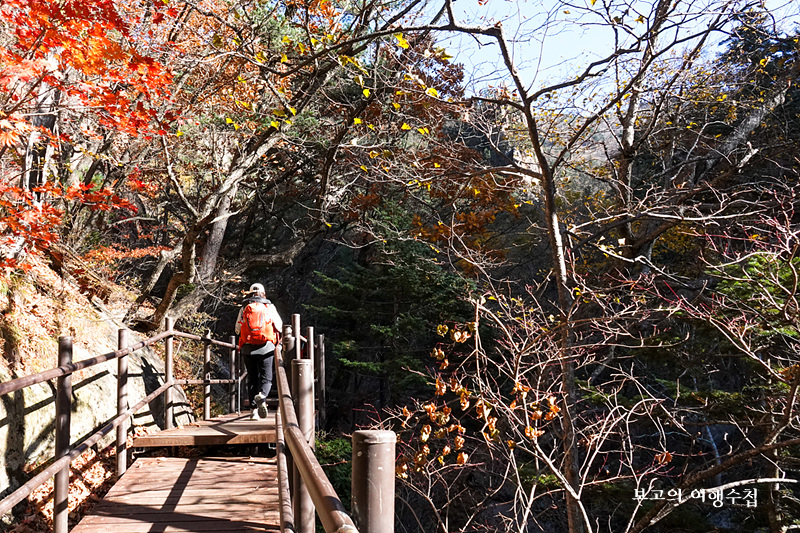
{"x": 256, "y": 287}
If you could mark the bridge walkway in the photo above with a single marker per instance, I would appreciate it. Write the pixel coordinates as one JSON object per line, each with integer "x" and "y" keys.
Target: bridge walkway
{"x": 172, "y": 494}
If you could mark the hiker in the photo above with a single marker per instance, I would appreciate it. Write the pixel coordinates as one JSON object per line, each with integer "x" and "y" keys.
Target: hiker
{"x": 258, "y": 326}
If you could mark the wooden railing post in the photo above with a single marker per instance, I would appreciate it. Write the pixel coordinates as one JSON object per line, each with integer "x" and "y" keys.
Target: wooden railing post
{"x": 310, "y": 343}
{"x": 373, "y": 481}
{"x": 319, "y": 367}
{"x": 234, "y": 374}
{"x": 207, "y": 376}
{"x": 288, "y": 339}
{"x": 298, "y": 343}
{"x": 63, "y": 411}
{"x": 122, "y": 403}
{"x": 168, "y": 376}
{"x": 310, "y": 355}
{"x": 303, "y": 395}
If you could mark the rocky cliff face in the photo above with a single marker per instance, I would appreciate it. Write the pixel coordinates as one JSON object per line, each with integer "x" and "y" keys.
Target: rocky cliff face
{"x": 38, "y": 309}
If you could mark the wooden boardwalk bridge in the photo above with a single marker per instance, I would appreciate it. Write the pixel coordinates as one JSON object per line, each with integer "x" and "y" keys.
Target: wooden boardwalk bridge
{"x": 170, "y": 494}
{"x": 282, "y": 494}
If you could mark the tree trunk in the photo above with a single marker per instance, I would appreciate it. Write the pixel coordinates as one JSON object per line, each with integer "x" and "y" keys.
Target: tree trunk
{"x": 208, "y": 260}
{"x": 37, "y": 154}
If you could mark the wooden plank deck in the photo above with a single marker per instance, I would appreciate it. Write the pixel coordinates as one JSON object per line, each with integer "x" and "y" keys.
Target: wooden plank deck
{"x": 167, "y": 494}
{"x": 224, "y": 430}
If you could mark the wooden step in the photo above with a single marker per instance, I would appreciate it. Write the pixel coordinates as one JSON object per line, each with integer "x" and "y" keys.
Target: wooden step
{"x": 224, "y": 430}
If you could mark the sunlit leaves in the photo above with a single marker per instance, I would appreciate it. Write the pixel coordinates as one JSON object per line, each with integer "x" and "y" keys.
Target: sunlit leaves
{"x": 533, "y": 433}
{"x": 401, "y": 41}
{"x": 663, "y": 458}
{"x": 93, "y": 39}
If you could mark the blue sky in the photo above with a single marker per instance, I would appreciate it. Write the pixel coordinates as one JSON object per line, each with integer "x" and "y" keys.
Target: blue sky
{"x": 555, "y": 39}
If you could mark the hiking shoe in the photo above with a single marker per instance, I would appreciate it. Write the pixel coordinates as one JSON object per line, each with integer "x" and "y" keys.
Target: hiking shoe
{"x": 261, "y": 405}
{"x": 256, "y": 415}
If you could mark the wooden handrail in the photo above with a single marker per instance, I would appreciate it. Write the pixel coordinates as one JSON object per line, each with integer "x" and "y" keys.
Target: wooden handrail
{"x": 284, "y": 492}
{"x": 64, "y": 370}
{"x": 46, "y": 375}
{"x": 32, "y": 484}
{"x": 199, "y": 338}
{"x": 330, "y": 510}
{"x": 65, "y": 453}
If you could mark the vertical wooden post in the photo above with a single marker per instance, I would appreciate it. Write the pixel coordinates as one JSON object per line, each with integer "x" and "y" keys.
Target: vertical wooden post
{"x": 298, "y": 343}
{"x": 233, "y": 373}
{"x": 288, "y": 340}
{"x": 303, "y": 395}
{"x": 310, "y": 355}
{"x": 63, "y": 411}
{"x": 373, "y": 481}
{"x": 122, "y": 403}
{"x": 168, "y": 376}
{"x": 310, "y": 343}
{"x": 319, "y": 367}
{"x": 207, "y": 376}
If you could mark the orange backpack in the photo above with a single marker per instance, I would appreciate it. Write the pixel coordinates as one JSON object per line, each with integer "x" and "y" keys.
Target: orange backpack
{"x": 257, "y": 327}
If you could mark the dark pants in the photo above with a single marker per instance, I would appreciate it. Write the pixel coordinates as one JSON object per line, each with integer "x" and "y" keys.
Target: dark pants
{"x": 259, "y": 372}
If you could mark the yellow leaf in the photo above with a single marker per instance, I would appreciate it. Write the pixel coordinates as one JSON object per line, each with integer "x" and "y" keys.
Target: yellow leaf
{"x": 426, "y": 432}
{"x": 370, "y": 126}
{"x": 275, "y": 124}
{"x": 430, "y": 91}
{"x": 279, "y": 113}
{"x": 178, "y": 133}
{"x": 293, "y": 110}
{"x": 396, "y": 105}
{"x": 365, "y": 92}
{"x": 356, "y": 120}
{"x": 284, "y": 59}
{"x": 364, "y": 168}
{"x": 373, "y": 154}
{"x": 229, "y": 120}
{"x": 405, "y": 126}
{"x": 401, "y": 41}
{"x": 423, "y": 130}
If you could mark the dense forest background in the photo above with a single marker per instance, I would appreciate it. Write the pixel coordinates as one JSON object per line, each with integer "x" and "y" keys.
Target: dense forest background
{"x": 573, "y": 293}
